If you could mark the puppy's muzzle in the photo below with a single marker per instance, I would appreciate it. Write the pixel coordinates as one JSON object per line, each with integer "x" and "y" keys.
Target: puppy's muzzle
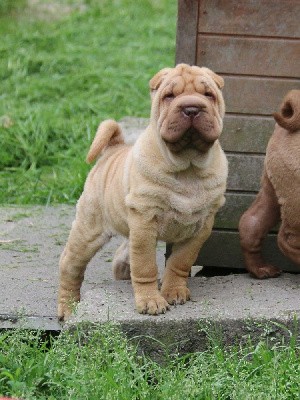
{"x": 191, "y": 126}
{"x": 192, "y": 111}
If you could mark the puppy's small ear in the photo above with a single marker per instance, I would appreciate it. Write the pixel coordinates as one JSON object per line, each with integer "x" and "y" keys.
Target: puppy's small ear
{"x": 157, "y": 79}
{"x": 217, "y": 78}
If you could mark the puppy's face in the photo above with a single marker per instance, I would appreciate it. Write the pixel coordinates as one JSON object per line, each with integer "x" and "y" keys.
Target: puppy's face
{"x": 187, "y": 107}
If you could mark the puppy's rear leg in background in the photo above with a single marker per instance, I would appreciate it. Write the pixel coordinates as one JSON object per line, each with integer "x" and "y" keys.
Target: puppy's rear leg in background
{"x": 85, "y": 239}
{"x": 121, "y": 262}
{"x": 255, "y": 223}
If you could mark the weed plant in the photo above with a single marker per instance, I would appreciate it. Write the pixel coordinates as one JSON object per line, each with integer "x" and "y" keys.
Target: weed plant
{"x": 105, "y": 365}
{"x": 61, "y": 74}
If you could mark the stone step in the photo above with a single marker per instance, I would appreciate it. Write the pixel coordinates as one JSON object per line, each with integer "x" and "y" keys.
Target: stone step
{"x": 31, "y": 241}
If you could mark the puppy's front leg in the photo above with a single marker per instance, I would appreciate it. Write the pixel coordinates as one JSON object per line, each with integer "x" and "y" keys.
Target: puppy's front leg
{"x": 184, "y": 254}
{"x": 143, "y": 237}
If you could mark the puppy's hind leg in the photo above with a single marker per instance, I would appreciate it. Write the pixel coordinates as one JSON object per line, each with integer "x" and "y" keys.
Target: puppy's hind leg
{"x": 121, "y": 263}
{"x": 87, "y": 236}
{"x": 254, "y": 225}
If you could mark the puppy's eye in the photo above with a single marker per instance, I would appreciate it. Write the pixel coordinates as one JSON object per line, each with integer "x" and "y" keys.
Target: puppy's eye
{"x": 210, "y": 96}
{"x": 169, "y": 97}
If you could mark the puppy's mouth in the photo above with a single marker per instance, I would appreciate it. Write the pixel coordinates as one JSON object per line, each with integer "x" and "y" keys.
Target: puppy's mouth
{"x": 192, "y": 138}
{"x": 191, "y": 124}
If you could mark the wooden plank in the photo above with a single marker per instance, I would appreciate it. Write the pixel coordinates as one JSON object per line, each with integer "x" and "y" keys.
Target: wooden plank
{"x": 246, "y": 133}
{"x": 245, "y": 172}
{"x": 250, "y": 17}
{"x": 261, "y": 96}
{"x": 236, "y": 204}
{"x": 229, "y": 215}
{"x": 186, "y": 36}
{"x": 223, "y": 249}
{"x": 250, "y": 56}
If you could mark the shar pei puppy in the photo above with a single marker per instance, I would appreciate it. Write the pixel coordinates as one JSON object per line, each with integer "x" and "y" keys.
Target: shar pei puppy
{"x": 168, "y": 186}
{"x": 278, "y": 201}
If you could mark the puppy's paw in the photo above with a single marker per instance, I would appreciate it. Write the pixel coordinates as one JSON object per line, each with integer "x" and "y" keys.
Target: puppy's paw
{"x": 265, "y": 271}
{"x": 65, "y": 308}
{"x": 176, "y": 295}
{"x": 63, "y": 311}
{"x": 152, "y": 305}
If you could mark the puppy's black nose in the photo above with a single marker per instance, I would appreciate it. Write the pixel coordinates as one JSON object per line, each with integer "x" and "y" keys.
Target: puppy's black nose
{"x": 191, "y": 111}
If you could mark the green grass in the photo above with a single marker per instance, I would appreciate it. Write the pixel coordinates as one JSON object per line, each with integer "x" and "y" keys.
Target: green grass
{"x": 61, "y": 75}
{"x": 107, "y": 366}
{"x": 10, "y": 6}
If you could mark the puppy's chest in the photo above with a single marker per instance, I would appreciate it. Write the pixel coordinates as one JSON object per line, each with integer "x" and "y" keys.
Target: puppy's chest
{"x": 174, "y": 226}
{"x": 190, "y": 193}
{"x": 186, "y": 208}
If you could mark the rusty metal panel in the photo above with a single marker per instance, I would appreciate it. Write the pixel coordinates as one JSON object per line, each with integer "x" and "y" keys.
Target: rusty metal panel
{"x": 278, "y": 18}
{"x": 255, "y": 95}
{"x": 250, "y": 56}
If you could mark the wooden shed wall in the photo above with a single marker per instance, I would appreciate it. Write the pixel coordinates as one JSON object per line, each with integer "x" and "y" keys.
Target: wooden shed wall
{"x": 255, "y": 46}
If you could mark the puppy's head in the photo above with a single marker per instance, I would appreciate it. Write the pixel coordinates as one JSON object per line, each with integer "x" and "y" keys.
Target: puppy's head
{"x": 187, "y": 107}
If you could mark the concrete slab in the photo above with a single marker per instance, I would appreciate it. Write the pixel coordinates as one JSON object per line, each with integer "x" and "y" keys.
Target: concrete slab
{"x": 31, "y": 241}
{"x": 236, "y": 305}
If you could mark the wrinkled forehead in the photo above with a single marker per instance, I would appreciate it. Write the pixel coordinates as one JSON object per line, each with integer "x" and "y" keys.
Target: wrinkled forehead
{"x": 188, "y": 81}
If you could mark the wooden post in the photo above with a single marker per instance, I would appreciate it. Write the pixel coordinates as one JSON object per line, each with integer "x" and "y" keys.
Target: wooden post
{"x": 186, "y": 36}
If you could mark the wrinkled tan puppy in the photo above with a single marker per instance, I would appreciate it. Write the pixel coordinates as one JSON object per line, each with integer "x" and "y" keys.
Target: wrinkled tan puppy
{"x": 167, "y": 186}
{"x": 278, "y": 198}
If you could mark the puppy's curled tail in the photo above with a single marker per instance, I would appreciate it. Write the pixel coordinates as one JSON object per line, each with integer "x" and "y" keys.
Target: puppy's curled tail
{"x": 108, "y": 134}
{"x": 289, "y": 115}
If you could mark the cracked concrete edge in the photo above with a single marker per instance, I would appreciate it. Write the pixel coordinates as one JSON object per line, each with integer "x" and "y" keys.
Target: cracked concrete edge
{"x": 164, "y": 339}
{"x": 35, "y": 322}
{"x": 232, "y": 309}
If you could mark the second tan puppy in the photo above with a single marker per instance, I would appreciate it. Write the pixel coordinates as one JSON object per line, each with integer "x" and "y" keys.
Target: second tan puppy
{"x": 167, "y": 186}
{"x": 278, "y": 197}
